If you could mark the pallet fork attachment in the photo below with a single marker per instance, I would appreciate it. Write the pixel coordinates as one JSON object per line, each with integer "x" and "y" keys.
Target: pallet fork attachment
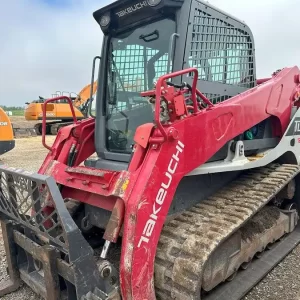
{"x": 44, "y": 246}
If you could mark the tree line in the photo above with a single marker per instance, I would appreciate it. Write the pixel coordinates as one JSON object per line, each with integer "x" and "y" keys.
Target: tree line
{"x": 6, "y": 108}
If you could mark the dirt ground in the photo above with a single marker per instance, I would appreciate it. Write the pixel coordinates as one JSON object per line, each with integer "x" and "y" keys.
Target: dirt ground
{"x": 21, "y": 122}
{"x": 283, "y": 283}
{"x": 28, "y": 153}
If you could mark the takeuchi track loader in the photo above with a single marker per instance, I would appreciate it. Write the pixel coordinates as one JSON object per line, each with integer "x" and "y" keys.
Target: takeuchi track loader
{"x": 194, "y": 193}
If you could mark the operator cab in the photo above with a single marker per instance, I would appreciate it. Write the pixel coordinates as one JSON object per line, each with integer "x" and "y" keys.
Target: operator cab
{"x": 144, "y": 40}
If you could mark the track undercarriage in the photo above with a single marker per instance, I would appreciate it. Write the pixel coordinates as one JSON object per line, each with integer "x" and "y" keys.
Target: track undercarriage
{"x": 207, "y": 244}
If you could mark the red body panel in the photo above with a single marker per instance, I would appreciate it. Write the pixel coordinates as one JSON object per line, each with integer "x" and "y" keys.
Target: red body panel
{"x": 172, "y": 151}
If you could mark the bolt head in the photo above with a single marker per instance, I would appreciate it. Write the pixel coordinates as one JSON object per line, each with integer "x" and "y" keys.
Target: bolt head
{"x": 173, "y": 134}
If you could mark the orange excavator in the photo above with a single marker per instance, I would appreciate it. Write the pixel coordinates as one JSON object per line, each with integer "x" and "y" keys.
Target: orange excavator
{"x": 7, "y": 141}
{"x": 60, "y": 113}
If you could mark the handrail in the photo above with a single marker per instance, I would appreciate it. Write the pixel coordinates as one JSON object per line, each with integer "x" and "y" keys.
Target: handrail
{"x": 92, "y": 87}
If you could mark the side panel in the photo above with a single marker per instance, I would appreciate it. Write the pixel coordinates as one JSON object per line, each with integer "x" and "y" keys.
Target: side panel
{"x": 54, "y": 111}
{"x": 63, "y": 110}
{"x": 288, "y": 146}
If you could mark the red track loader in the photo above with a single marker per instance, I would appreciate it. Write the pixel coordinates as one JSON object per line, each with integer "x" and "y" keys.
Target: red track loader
{"x": 196, "y": 176}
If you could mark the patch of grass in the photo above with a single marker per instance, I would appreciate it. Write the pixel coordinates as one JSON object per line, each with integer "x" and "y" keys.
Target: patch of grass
{"x": 17, "y": 112}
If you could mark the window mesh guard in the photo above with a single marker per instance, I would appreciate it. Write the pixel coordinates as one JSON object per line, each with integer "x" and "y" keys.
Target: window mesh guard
{"x": 137, "y": 68}
{"x": 220, "y": 52}
{"x": 137, "y": 65}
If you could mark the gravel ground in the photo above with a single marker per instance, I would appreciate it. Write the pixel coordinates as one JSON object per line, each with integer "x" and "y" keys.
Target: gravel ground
{"x": 283, "y": 283}
{"x": 28, "y": 153}
{"x": 21, "y": 122}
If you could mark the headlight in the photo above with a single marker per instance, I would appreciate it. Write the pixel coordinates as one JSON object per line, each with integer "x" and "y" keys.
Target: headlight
{"x": 153, "y": 2}
{"x": 104, "y": 21}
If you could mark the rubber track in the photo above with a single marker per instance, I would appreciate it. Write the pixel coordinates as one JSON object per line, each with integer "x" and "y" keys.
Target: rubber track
{"x": 245, "y": 280}
{"x": 23, "y": 132}
{"x": 187, "y": 241}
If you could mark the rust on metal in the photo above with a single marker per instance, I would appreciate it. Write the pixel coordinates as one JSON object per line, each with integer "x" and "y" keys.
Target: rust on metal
{"x": 28, "y": 245}
{"x": 85, "y": 171}
{"x": 115, "y": 222}
{"x": 121, "y": 185}
{"x": 50, "y": 271}
{"x": 53, "y": 266}
{"x": 14, "y": 282}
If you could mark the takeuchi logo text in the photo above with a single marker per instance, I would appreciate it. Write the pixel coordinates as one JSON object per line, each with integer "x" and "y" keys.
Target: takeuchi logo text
{"x": 131, "y": 9}
{"x": 161, "y": 194}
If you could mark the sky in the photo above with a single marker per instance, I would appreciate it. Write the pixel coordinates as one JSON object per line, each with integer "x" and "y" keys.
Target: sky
{"x": 48, "y": 45}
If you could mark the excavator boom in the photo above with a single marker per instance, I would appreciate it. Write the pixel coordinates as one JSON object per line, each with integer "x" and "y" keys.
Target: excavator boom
{"x": 84, "y": 94}
{"x": 59, "y": 113}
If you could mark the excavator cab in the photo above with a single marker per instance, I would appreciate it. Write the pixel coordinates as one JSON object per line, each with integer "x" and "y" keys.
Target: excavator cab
{"x": 196, "y": 174}
{"x": 7, "y": 141}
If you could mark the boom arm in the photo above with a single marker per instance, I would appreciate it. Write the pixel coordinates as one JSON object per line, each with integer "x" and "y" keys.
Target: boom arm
{"x": 84, "y": 94}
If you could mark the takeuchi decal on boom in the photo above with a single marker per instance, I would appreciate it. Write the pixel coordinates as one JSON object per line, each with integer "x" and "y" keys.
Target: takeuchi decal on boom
{"x": 161, "y": 194}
